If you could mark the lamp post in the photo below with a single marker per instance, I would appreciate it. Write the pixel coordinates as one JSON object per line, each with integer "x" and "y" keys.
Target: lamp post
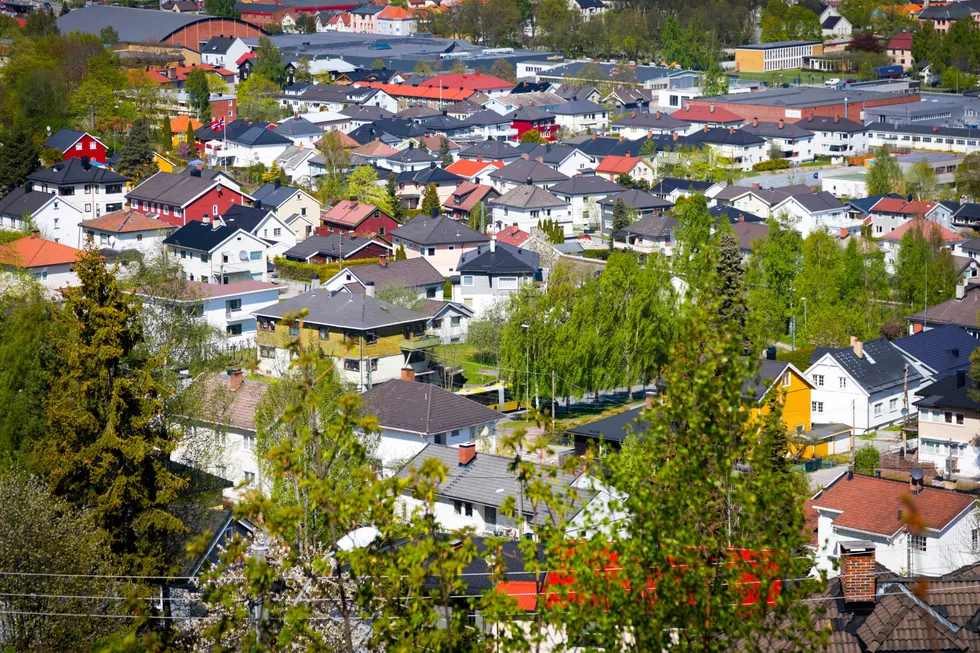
{"x": 804, "y": 311}
{"x": 527, "y": 366}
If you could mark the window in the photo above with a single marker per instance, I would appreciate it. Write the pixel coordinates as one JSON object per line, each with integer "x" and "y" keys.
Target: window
{"x": 430, "y": 293}
{"x": 139, "y": 237}
{"x": 183, "y": 253}
{"x": 91, "y": 145}
{"x": 463, "y": 507}
{"x": 66, "y": 190}
{"x": 267, "y": 352}
{"x": 352, "y": 365}
{"x": 787, "y": 379}
{"x": 370, "y": 337}
{"x": 959, "y": 419}
{"x": 975, "y": 538}
{"x": 918, "y": 543}
{"x": 432, "y": 251}
{"x": 374, "y": 364}
{"x": 255, "y": 256}
{"x": 816, "y": 406}
{"x": 78, "y": 146}
{"x": 842, "y": 382}
{"x": 166, "y": 209}
{"x": 234, "y": 330}
{"x": 204, "y": 258}
{"x": 115, "y": 189}
{"x": 303, "y": 210}
{"x": 214, "y": 209}
{"x": 233, "y": 305}
{"x": 381, "y": 232}
{"x": 454, "y": 321}
{"x": 892, "y": 404}
{"x": 878, "y": 409}
{"x": 88, "y": 207}
{"x": 467, "y": 280}
{"x": 490, "y": 515}
{"x": 818, "y": 379}
{"x": 324, "y": 333}
{"x": 248, "y": 441}
{"x": 249, "y": 477}
{"x": 277, "y": 231}
{"x": 294, "y": 330}
{"x": 948, "y": 417}
{"x": 437, "y": 324}
{"x": 507, "y": 283}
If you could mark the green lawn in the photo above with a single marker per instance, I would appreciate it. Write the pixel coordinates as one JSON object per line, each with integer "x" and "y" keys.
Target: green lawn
{"x": 464, "y": 356}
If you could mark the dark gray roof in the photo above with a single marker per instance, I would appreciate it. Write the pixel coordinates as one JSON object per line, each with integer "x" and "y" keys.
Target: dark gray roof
{"x": 72, "y": 171}
{"x": 259, "y": 135}
{"x": 530, "y": 114}
{"x": 344, "y": 310}
{"x": 550, "y": 153}
{"x": 881, "y": 366}
{"x": 63, "y": 139}
{"x": 412, "y": 272}
{"x": 614, "y": 428}
{"x": 524, "y": 169}
{"x": 200, "y": 236}
{"x": 272, "y": 195}
{"x": 653, "y": 120}
{"x": 439, "y": 230}
{"x": 528, "y": 196}
{"x": 640, "y": 200}
{"x": 831, "y": 22}
{"x": 945, "y": 349}
{"x": 828, "y": 124}
{"x": 774, "y": 130}
{"x": 366, "y": 112}
{"x": 413, "y": 155}
{"x": 417, "y": 112}
{"x": 423, "y": 408}
{"x": 655, "y": 225}
{"x": 726, "y": 136}
{"x": 329, "y": 246}
{"x": 504, "y": 259}
{"x": 819, "y": 201}
{"x": 588, "y": 185}
{"x": 444, "y": 123}
{"x": 776, "y": 44}
{"x": 953, "y": 11}
{"x": 756, "y": 386}
{"x": 952, "y": 391}
{"x": 668, "y": 185}
{"x": 133, "y": 25}
{"x": 484, "y": 118}
{"x": 170, "y": 188}
{"x": 217, "y": 45}
{"x": 962, "y": 312}
{"x": 431, "y": 175}
{"x": 297, "y": 126}
{"x": 578, "y": 107}
{"x": 18, "y": 202}
{"x": 491, "y": 151}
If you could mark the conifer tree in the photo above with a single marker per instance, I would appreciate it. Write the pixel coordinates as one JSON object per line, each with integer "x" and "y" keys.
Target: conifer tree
{"x": 394, "y": 202}
{"x": 430, "y": 201}
{"x": 136, "y": 155}
{"x": 19, "y": 157}
{"x": 167, "y": 135}
{"x": 732, "y": 309}
{"x": 445, "y": 157}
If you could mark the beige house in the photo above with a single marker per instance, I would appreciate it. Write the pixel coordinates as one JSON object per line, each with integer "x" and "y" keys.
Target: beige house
{"x": 294, "y": 206}
{"x": 438, "y": 239}
{"x": 949, "y": 423}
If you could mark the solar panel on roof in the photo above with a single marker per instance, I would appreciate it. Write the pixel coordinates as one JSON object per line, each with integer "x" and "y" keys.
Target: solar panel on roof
{"x": 380, "y": 46}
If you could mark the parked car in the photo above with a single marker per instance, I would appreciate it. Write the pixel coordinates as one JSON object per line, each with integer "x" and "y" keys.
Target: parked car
{"x": 833, "y": 81}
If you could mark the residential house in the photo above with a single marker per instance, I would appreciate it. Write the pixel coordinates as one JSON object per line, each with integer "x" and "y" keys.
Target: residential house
{"x": 528, "y": 118}
{"x": 939, "y": 352}
{"x": 75, "y": 144}
{"x": 223, "y": 52}
{"x": 949, "y": 419}
{"x": 590, "y": 93}
{"x": 51, "y": 215}
{"x": 739, "y": 146}
{"x": 588, "y": 9}
{"x": 178, "y": 127}
{"x": 278, "y": 234}
{"x": 900, "y": 50}
{"x": 476, "y": 82}
{"x": 581, "y": 116}
{"x": 888, "y": 214}
{"x": 833, "y": 25}
{"x": 297, "y": 162}
{"x": 613, "y": 166}
{"x": 448, "y": 321}
{"x": 783, "y": 380}
{"x": 794, "y": 143}
{"x": 411, "y": 159}
{"x": 91, "y": 189}
{"x": 523, "y": 171}
{"x": 493, "y": 272}
{"x": 968, "y": 215}
{"x": 125, "y": 231}
{"x": 414, "y": 273}
{"x": 891, "y": 241}
{"x": 748, "y": 234}
{"x": 218, "y": 253}
{"x": 337, "y": 247}
{"x": 363, "y": 18}
{"x": 445, "y": 125}
{"x": 489, "y": 125}
{"x": 257, "y": 143}
{"x": 438, "y": 239}
{"x": 626, "y": 98}
{"x": 644, "y": 204}
{"x": 608, "y": 433}
{"x": 526, "y": 205}
{"x": 226, "y": 307}
{"x": 469, "y": 196}
{"x": 672, "y": 189}
{"x": 473, "y": 171}
{"x": 865, "y": 386}
{"x": 357, "y": 218}
{"x": 654, "y": 233}
{"x": 565, "y": 159}
{"x": 637, "y": 125}
{"x": 836, "y": 137}
{"x": 584, "y": 194}
{"x": 856, "y": 511}
{"x": 700, "y": 116}
{"x": 962, "y": 310}
{"x": 512, "y": 236}
{"x": 51, "y": 263}
{"x": 336, "y": 98}
{"x": 181, "y": 199}
{"x": 491, "y": 150}
{"x": 734, "y": 215}
{"x": 288, "y": 203}
{"x": 395, "y": 21}
{"x": 370, "y": 340}
{"x": 414, "y": 416}
{"x": 412, "y": 184}
{"x": 812, "y": 211}
{"x": 300, "y": 131}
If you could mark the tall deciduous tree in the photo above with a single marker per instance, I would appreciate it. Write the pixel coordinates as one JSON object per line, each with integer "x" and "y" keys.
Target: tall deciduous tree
{"x": 770, "y": 273}
{"x": 224, "y": 8}
{"x": 269, "y": 63}
{"x": 199, "y": 93}
{"x": 968, "y": 176}
{"x": 258, "y": 99}
{"x": 924, "y": 269}
{"x": 104, "y": 449}
{"x": 884, "y": 175}
{"x": 694, "y": 251}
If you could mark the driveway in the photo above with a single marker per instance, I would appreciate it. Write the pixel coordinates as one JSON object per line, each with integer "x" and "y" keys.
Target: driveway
{"x": 823, "y": 476}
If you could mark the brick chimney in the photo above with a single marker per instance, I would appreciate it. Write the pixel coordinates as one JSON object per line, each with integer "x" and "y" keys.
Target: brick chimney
{"x": 756, "y": 185}
{"x": 858, "y": 347}
{"x": 408, "y": 374}
{"x": 467, "y": 453}
{"x": 648, "y": 400}
{"x": 658, "y": 115}
{"x": 633, "y": 114}
{"x": 755, "y": 121}
{"x": 35, "y": 234}
{"x": 857, "y": 571}
{"x": 676, "y": 136}
{"x": 649, "y": 134}
{"x": 782, "y": 123}
{"x": 731, "y": 130}
{"x": 836, "y": 119}
{"x": 622, "y": 138}
{"x": 383, "y": 261}
{"x": 705, "y": 129}
{"x": 235, "y": 380}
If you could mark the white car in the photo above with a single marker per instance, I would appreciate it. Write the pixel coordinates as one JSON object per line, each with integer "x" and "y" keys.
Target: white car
{"x": 833, "y": 81}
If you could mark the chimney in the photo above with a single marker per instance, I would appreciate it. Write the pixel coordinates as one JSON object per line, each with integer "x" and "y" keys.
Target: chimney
{"x": 705, "y": 129}
{"x": 756, "y": 185}
{"x": 781, "y": 123}
{"x": 525, "y": 157}
{"x": 857, "y": 571}
{"x": 935, "y": 129}
{"x": 731, "y": 130}
{"x": 479, "y": 159}
{"x": 35, "y": 234}
{"x": 649, "y": 134}
{"x": 28, "y": 187}
{"x": 278, "y": 183}
{"x": 770, "y": 353}
{"x": 493, "y": 244}
{"x": 435, "y": 212}
{"x": 960, "y": 378}
{"x": 676, "y": 136}
{"x": 235, "y": 380}
{"x": 741, "y": 218}
{"x": 368, "y": 287}
{"x": 539, "y": 159}
{"x": 595, "y": 136}
{"x": 648, "y": 400}
{"x": 622, "y": 138}
{"x": 627, "y": 155}
{"x": 408, "y": 374}
{"x": 836, "y": 118}
{"x": 810, "y": 117}
{"x": 383, "y": 261}
{"x": 711, "y": 108}
{"x": 858, "y": 347}
{"x": 755, "y": 121}
{"x": 658, "y": 115}
{"x": 467, "y": 453}
{"x": 960, "y": 291}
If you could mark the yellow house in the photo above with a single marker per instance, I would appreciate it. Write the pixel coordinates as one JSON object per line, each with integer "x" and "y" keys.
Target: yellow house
{"x": 178, "y": 127}
{"x": 163, "y": 163}
{"x": 793, "y": 388}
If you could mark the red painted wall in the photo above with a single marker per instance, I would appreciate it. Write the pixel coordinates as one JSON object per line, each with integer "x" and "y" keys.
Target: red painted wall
{"x": 774, "y": 113}
{"x": 367, "y": 229}
{"x": 199, "y": 209}
{"x": 547, "y": 130}
{"x": 193, "y": 34}
{"x": 98, "y": 154}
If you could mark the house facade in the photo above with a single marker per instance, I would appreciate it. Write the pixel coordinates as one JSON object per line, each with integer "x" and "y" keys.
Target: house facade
{"x": 438, "y": 239}
{"x": 51, "y": 215}
{"x": 182, "y": 199}
{"x": 91, "y": 189}
{"x": 493, "y": 272}
{"x": 76, "y": 144}
{"x": 125, "y": 231}
{"x": 218, "y": 253}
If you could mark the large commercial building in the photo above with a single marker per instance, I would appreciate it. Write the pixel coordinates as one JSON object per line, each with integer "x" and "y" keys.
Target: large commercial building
{"x": 781, "y": 55}
{"x": 799, "y": 102}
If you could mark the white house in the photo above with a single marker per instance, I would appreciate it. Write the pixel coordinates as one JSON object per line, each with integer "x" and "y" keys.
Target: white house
{"x": 743, "y": 148}
{"x": 814, "y": 211}
{"x": 527, "y": 205}
{"x": 581, "y": 116}
{"x": 892, "y": 241}
{"x": 489, "y": 125}
{"x": 218, "y": 253}
{"x": 395, "y": 21}
{"x": 223, "y": 52}
{"x": 92, "y": 189}
{"x": 297, "y": 162}
{"x": 415, "y": 273}
{"x": 300, "y": 131}
{"x": 256, "y": 144}
{"x": 855, "y": 513}
{"x": 862, "y": 386}
{"x": 51, "y": 263}
{"x": 125, "y": 231}
{"x": 836, "y": 137}
{"x": 583, "y": 194}
{"x": 833, "y": 25}
{"x": 794, "y": 143}
{"x": 414, "y": 415}
{"x": 52, "y": 216}
{"x": 494, "y": 272}
{"x": 448, "y": 321}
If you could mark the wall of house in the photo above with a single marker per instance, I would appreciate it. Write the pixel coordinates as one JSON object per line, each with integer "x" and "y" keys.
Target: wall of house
{"x": 145, "y": 242}
{"x": 213, "y": 268}
{"x": 448, "y": 519}
{"x": 827, "y": 143}
{"x": 935, "y": 436}
{"x": 795, "y": 400}
{"x": 57, "y": 220}
{"x": 579, "y": 210}
{"x": 204, "y": 207}
{"x": 485, "y": 290}
{"x": 580, "y": 123}
{"x": 443, "y": 258}
{"x": 226, "y": 451}
{"x": 87, "y": 146}
{"x": 92, "y": 200}
{"x": 54, "y": 277}
{"x": 220, "y": 316}
{"x": 446, "y": 331}
{"x": 398, "y": 447}
{"x": 525, "y": 220}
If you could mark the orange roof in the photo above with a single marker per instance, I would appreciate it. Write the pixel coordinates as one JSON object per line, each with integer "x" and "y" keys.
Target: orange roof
{"x": 126, "y": 222}
{"x": 708, "y": 114}
{"x": 525, "y": 591}
{"x": 349, "y": 213}
{"x": 903, "y": 207}
{"x": 245, "y": 57}
{"x": 927, "y": 227}
{"x": 178, "y": 125}
{"x": 512, "y": 236}
{"x": 36, "y": 252}
{"x": 395, "y": 13}
{"x": 345, "y": 140}
{"x": 375, "y": 148}
{"x": 618, "y": 164}
{"x": 137, "y": 76}
{"x": 474, "y": 82}
{"x": 425, "y": 93}
{"x": 467, "y": 168}
{"x": 433, "y": 143}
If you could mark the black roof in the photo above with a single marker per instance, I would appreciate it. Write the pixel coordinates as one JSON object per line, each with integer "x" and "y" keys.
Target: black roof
{"x": 828, "y": 124}
{"x": 881, "y": 366}
{"x": 491, "y": 151}
{"x": 331, "y": 246}
{"x": 734, "y": 215}
{"x": 590, "y": 185}
{"x": 952, "y": 391}
{"x": 246, "y": 217}
{"x": 530, "y": 87}
{"x": 945, "y": 349}
{"x": 412, "y": 154}
{"x": 655, "y": 225}
{"x": 668, "y": 185}
{"x": 74, "y": 171}
{"x": 639, "y": 200}
{"x": 504, "y": 259}
{"x": 63, "y": 139}
{"x": 756, "y": 386}
{"x": 430, "y": 175}
{"x": 614, "y": 428}
{"x": 424, "y": 408}
{"x": 200, "y": 236}
{"x": 18, "y": 202}
{"x": 217, "y": 45}
{"x": 726, "y": 136}
{"x": 439, "y": 230}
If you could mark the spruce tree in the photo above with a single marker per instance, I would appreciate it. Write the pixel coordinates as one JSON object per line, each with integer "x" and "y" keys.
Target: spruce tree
{"x": 19, "y": 157}
{"x": 445, "y": 157}
{"x": 136, "y": 155}
{"x": 167, "y": 135}
{"x": 105, "y": 449}
{"x": 394, "y": 202}
{"x": 730, "y": 289}
{"x": 400, "y": 254}
{"x": 430, "y": 201}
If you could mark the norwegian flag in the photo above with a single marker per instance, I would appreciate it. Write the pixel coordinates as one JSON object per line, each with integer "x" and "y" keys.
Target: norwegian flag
{"x": 217, "y": 125}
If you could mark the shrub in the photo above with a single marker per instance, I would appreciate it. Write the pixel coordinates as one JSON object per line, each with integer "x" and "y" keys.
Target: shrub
{"x": 773, "y": 164}
{"x": 296, "y": 271}
{"x": 800, "y": 358}
{"x": 866, "y": 459}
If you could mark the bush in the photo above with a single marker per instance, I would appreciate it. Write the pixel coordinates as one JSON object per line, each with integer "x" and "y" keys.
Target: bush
{"x": 773, "y": 164}
{"x": 296, "y": 271}
{"x": 866, "y": 459}
{"x": 799, "y": 358}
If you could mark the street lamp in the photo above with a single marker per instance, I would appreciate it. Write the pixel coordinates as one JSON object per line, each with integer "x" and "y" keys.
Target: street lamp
{"x": 804, "y": 311}
{"x": 527, "y": 367}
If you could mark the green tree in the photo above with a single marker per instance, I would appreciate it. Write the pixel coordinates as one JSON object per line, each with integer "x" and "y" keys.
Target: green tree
{"x": 305, "y": 24}
{"x": 362, "y": 183}
{"x": 378, "y": 64}
{"x": 694, "y": 251}
{"x": 336, "y": 162}
{"x": 41, "y": 23}
{"x": 477, "y": 217}
{"x": 621, "y": 218}
{"x": 866, "y": 459}
{"x": 167, "y": 134}
{"x": 64, "y": 9}
{"x": 136, "y": 154}
{"x": 921, "y": 181}
{"x": 715, "y": 81}
{"x": 504, "y": 70}
{"x": 401, "y": 295}
{"x": 445, "y": 156}
{"x": 532, "y": 136}
{"x": 303, "y": 74}
{"x": 960, "y": 81}
{"x": 818, "y": 282}
{"x": 394, "y": 201}
{"x": 770, "y": 273}
{"x": 422, "y": 69}
{"x": 108, "y": 34}
{"x": 258, "y": 99}
{"x": 269, "y": 63}
{"x": 430, "y": 201}
{"x": 199, "y": 94}
{"x": 400, "y": 254}
{"x": 925, "y": 271}
{"x": 458, "y": 67}
{"x": 20, "y": 155}
{"x": 733, "y": 308}
{"x": 103, "y": 449}
{"x": 884, "y": 175}
{"x": 968, "y": 176}
{"x": 224, "y": 8}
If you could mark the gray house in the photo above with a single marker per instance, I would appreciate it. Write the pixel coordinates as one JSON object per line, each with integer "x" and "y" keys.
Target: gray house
{"x": 492, "y": 272}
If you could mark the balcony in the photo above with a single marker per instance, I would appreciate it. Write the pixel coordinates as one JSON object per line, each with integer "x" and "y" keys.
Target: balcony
{"x": 418, "y": 343}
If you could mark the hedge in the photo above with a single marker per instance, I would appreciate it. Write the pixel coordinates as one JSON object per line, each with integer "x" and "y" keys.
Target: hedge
{"x": 774, "y": 164}
{"x": 800, "y": 358}
{"x": 296, "y": 271}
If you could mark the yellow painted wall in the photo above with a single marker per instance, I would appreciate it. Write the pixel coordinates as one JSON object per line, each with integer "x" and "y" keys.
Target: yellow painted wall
{"x": 164, "y": 164}
{"x": 388, "y": 342}
{"x": 750, "y": 61}
{"x": 818, "y": 50}
{"x": 796, "y": 403}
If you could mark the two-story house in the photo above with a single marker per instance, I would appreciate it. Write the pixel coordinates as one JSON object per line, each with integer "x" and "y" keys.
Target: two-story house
{"x": 644, "y": 204}
{"x": 794, "y": 143}
{"x": 891, "y": 241}
{"x": 51, "y": 215}
{"x": 287, "y": 202}
{"x": 565, "y": 159}
{"x": 416, "y": 273}
{"x": 889, "y": 214}
{"x": 584, "y": 195}
{"x": 638, "y": 125}
{"x": 218, "y": 253}
{"x": 438, "y": 239}
{"x": 526, "y": 205}
{"x": 493, "y": 272}
{"x": 75, "y": 144}
{"x": 653, "y": 233}
{"x": 413, "y": 415}
{"x": 51, "y": 263}
{"x": 469, "y": 196}
{"x": 836, "y": 137}
{"x": 356, "y": 218}
{"x": 532, "y": 118}
{"x": 182, "y": 199}
{"x": 740, "y": 147}
{"x": 865, "y": 386}
{"x": 525, "y": 170}
{"x": 490, "y": 125}
{"x": 126, "y": 231}
{"x": 370, "y": 340}
{"x": 614, "y": 165}
{"x": 93, "y": 190}
{"x": 579, "y": 116}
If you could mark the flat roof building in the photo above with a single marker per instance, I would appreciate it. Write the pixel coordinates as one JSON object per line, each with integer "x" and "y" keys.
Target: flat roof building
{"x": 798, "y": 102}
{"x": 780, "y": 55}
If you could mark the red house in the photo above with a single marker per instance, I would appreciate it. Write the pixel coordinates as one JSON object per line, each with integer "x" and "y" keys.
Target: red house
{"x": 356, "y": 218}
{"x": 182, "y": 198}
{"x": 527, "y": 118}
{"x": 75, "y": 144}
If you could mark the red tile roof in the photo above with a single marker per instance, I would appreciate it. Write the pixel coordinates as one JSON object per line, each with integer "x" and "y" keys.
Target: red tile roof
{"x": 525, "y": 591}
{"x": 467, "y": 194}
{"x": 467, "y": 168}
{"x": 126, "y": 222}
{"x": 873, "y": 505}
{"x": 375, "y": 148}
{"x": 433, "y": 143}
{"x": 36, "y": 252}
{"x": 618, "y": 164}
{"x": 345, "y": 141}
{"x": 513, "y": 236}
{"x": 455, "y": 94}
{"x": 395, "y": 13}
{"x": 348, "y": 213}
{"x": 927, "y": 227}
{"x": 474, "y": 82}
{"x": 701, "y": 113}
{"x": 245, "y": 57}
{"x": 904, "y": 207}
{"x": 901, "y": 41}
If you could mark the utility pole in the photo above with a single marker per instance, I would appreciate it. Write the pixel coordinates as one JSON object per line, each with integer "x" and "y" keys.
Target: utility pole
{"x": 552, "y": 404}
{"x": 259, "y": 612}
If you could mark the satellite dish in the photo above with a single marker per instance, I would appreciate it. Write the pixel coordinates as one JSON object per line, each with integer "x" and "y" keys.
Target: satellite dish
{"x": 358, "y": 539}
{"x": 243, "y": 255}
{"x": 916, "y": 474}
{"x": 905, "y": 412}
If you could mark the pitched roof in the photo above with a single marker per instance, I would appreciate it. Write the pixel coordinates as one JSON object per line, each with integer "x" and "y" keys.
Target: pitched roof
{"x": 274, "y": 195}
{"x": 748, "y": 233}
{"x": 439, "y": 230}
{"x": 126, "y": 221}
{"x": 756, "y": 386}
{"x": 259, "y": 134}
{"x": 412, "y": 272}
{"x": 512, "y": 235}
{"x": 19, "y": 201}
{"x": 655, "y": 225}
{"x": 901, "y": 41}
{"x": 875, "y": 505}
{"x": 469, "y": 168}
{"x": 485, "y": 118}
{"x": 652, "y": 120}
{"x": 394, "y": 13}
{"x": 424, "y": 408}
{"x": 35, "y": 252}
{"x": 227, "y": 407}
{"x": 781, "y": 129}
{"x": 577, "y": 107}
{"x": 614, "y": 428}
{"x": 469, "y": 194}
{"x": 171, "y": 188}
{"x": 953, "y": 391}
{"x": 73, "y": 171}
{"x": 523, "y": 169}
{"x": 707, "y": 114}
{"x": 297, "y": 126}
{"x": 332, "y": 246}
{"x": 469, "y": 82}
{"x": 530, "y": 114}
{"x": 375, "y": 149}
{"x": 178, "y": 124}
{"x": 734, "y": 215}
{"x": 499, "y": 259}
{"x": 828, "y": 124}
{"x": 726, "y": 136}
{"x": 640, "y": 200}
{"x": 961, "y": 312}
{"x": 815, "y": 202}
{"x": 348, "y": 212}
{"x": 902, "y": 206}
{"x": 491, "y": 150}
{"x": 587, "y": 185}
{"x": 344, "y": 310}
{"x": 528, "y": 196}
{"x": 64, "y": 139}
{"x": 927, "y": 227}
{"x": 413, "y": 155}
{"x": 200, "y": 236}
{"x": 944, "y": 349}
{"x": 881, "y": 365}
{"x": 618, "y": 165}
{"x": 863, "y": 205}
{"x": 667, "y": 185}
